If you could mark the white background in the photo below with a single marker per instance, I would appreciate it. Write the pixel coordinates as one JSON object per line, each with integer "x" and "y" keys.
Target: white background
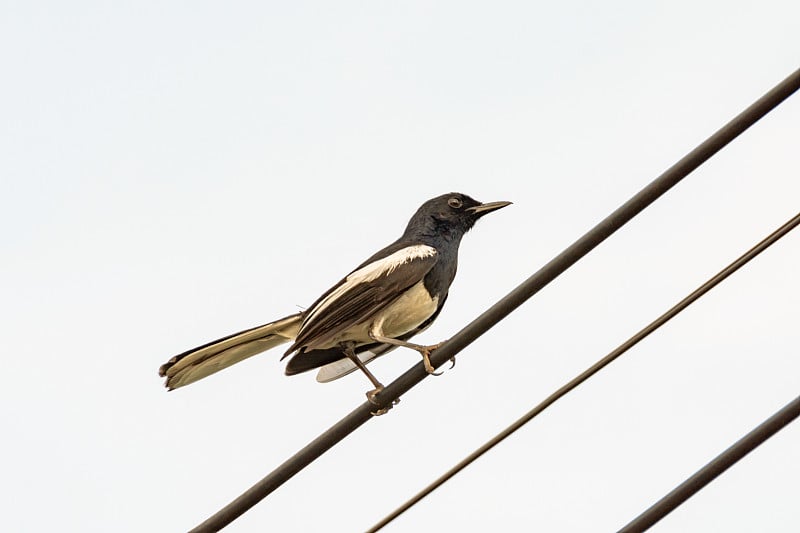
{"x": 172, "y": 172}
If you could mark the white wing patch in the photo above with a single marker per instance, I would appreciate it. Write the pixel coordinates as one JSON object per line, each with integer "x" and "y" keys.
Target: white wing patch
{"x": 373, "y": 271}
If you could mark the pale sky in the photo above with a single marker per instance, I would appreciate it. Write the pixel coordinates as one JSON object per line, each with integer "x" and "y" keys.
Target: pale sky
{"x": 176, "y": 171}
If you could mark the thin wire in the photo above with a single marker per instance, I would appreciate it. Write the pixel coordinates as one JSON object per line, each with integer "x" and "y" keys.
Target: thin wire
{"x": 718, "y": 465}
{"x": 497, "y": 312}
{"x": 589, "y": 372}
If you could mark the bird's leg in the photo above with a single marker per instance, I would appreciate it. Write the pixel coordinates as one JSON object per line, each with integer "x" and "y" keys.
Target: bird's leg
{"x": 376, "y": 334}
{"x": 350, "y": 352}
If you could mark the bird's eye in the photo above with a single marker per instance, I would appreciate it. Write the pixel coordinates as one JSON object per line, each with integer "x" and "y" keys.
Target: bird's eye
{"x": 455, "y": 203}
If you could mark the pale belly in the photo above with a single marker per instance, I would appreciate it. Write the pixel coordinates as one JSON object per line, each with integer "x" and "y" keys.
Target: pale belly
{"x": 413, "y": 308}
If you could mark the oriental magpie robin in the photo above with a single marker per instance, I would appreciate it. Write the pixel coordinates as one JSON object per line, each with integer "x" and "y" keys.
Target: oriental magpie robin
{"x": 389, "y": 298}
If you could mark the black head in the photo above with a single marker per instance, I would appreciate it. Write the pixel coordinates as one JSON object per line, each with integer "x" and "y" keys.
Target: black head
{"x": 450, "y": 215}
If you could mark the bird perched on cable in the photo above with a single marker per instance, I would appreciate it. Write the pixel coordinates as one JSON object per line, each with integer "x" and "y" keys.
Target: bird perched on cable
{"x": 386, "y": 300}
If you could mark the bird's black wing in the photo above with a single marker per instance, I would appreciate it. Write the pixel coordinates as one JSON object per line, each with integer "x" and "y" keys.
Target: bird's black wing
{"x": 360, "y": 295}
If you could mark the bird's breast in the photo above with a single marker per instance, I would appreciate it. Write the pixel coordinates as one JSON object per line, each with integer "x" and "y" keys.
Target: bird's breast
{"x": 408, "y": 311}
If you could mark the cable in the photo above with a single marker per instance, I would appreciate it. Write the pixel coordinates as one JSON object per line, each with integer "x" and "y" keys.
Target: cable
{"x": 718, "y": 465}
{"x": 589, "y": 372}
{"x": 497, "y": 312}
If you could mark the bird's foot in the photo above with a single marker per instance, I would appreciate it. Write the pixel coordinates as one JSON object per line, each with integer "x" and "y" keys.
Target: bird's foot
{"x": 372, "y": 393}
{"x": 371, "y": 397}
{"x": 426, "y": 357}
{"x": 452, "y": 363}
{"x": 426, "y": 360}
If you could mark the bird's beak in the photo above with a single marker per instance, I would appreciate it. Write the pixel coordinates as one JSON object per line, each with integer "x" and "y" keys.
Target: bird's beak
{"x": 480, "y": 210}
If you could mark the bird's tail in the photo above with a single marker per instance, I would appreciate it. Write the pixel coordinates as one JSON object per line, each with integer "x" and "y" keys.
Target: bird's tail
{"x": 342, "y": 367}
{"x": 205, "y": 360}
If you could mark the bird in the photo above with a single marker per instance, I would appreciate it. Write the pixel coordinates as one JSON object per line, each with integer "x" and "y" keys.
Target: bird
{"x": 382, "y": 303}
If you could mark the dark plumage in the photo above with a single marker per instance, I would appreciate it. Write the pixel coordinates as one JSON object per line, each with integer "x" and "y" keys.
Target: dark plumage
{"x": 385, "y": 301}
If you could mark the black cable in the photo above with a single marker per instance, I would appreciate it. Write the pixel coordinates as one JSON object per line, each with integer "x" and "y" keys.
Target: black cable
{"x": 718, "y": 465}
{"x": 497, "y": 312}
{"x": 589, "y": 372}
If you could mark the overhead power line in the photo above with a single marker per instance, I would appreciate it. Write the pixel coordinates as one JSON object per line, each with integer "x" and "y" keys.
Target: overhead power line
{"x": 599, "y": 365}
{"x": 717, "y": 466}
{"x": 497, "y": 312}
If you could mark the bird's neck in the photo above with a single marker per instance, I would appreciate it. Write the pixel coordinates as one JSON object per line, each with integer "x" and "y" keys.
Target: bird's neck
{"x": 436, "y": 234}
{"x": 445, "y": 243}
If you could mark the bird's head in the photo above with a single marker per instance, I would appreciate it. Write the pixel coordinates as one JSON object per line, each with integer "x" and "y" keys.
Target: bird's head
{"x": 450, "y": 215}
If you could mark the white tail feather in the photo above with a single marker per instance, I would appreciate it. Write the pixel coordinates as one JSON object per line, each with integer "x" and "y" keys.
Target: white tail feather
{"x": 214, "y": 356}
